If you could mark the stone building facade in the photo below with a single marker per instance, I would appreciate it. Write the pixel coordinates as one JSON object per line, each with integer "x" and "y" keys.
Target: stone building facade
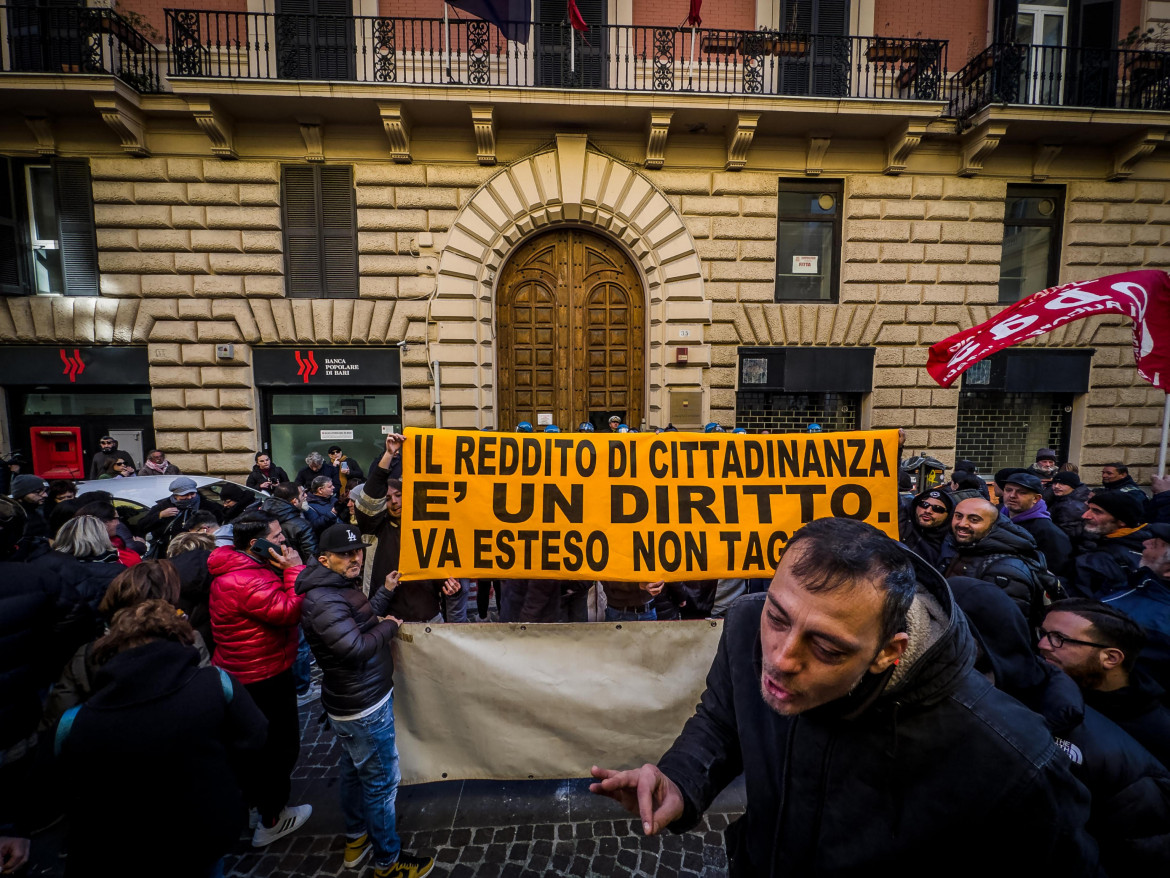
{"x": 447, "y": 188}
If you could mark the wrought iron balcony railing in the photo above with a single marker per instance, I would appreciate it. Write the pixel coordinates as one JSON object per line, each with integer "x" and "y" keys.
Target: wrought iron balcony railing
{"x": 414, "y": 51}
{"x": 1064, "y": 76}
{"x": 79, "y": 39}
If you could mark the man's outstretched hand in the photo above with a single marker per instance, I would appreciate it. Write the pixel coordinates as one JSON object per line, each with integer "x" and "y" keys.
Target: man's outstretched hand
{"x": 645, "y": 791}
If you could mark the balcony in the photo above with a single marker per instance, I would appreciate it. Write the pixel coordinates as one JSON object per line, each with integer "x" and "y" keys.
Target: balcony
{"x": 79, "y": 40}
{"x": 472, "y": 53}
{"x": 1062, "y": 76}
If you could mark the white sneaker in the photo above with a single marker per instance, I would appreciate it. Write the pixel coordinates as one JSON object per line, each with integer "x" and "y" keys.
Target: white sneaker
{"x": 309, "y": 695}
{"x": 290, "y": 820}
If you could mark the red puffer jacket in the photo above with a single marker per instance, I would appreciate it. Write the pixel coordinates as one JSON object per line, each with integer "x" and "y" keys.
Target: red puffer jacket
{"x": 255, "y": 615}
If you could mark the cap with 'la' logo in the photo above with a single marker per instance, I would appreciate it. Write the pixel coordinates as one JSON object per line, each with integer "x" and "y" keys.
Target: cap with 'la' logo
{"x": 340, "y": 538}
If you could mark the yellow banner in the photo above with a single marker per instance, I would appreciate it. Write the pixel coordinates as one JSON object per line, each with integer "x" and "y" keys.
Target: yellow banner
{"x": 637, "y": 507}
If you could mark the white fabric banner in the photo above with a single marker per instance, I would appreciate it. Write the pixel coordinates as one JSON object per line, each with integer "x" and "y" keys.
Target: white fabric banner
{"x": 514, "y": 702}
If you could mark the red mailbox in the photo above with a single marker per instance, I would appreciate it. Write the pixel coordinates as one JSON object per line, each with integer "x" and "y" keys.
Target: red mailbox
{"x": 56, "y": 452}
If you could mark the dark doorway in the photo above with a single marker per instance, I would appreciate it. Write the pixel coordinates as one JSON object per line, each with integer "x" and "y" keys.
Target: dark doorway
{"x": 565, "y": 60}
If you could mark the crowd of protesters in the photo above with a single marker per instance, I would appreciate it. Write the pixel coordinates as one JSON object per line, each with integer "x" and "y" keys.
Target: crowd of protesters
{"x": 202, "y": 622}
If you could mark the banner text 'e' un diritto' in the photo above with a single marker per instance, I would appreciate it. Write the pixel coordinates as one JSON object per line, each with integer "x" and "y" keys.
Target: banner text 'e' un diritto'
{"x": 634, "y": 507}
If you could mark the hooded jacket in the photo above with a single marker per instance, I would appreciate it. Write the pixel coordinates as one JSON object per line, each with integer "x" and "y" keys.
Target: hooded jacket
{"x": 254, "y": 615}
{"x": 1130, "y": 788}
{"x": 350, "y": 641}
{"x": 1050, "y": 539}
{"x": 922, "y": 765}
{"x": 149, "y": 765}
{"x": 296, "y": 528}
{"x": 998, "y": 559}
{"x": 925, "y": 543}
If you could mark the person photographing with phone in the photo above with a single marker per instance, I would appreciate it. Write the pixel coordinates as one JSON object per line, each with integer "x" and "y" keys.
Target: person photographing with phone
{"x": 255, "y": 619}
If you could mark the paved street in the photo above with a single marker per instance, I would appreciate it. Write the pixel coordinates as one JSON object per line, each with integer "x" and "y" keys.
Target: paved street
{"x": 472, "y": 828}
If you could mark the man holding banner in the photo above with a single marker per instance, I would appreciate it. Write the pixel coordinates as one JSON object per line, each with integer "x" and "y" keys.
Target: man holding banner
{"x": 848, "y": 698}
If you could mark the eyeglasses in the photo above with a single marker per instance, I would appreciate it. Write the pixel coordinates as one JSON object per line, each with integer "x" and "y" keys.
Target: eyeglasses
{"x": 1058, "y": 640}
{"x": 927, "y": 505}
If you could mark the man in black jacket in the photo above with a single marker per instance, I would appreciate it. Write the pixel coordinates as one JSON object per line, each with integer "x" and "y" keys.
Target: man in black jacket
{"x": 925, "y": 521}
{"x": 172, "y": 515}
{"x": 1113, "y": 543}
{"x": 287, "y": 504}
{"x": 1098, "y": 646}
{"x": 1026, "y": 508}
{"x": 1116, "y": 477}
{"x": 985, "y": 545}
{"x": 848, "y": 699}
{"x": 350, "y": 636}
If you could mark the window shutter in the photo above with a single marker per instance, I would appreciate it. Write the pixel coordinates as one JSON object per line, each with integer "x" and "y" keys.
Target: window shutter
{"x": 338, "y": 232}
{"x": 302, "y": 239}
{"x": 832, "y": 17}
{"x": 10, "y": 249}
{"x": 79, "y": 262}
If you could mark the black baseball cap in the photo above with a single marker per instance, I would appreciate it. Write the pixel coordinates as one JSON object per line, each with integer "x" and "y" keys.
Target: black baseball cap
{"x": 340, "y": 538}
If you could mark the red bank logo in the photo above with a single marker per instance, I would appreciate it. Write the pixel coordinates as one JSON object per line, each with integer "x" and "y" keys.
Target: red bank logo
{"x": 73, "y": 364}
{"x": 306, "y": 365}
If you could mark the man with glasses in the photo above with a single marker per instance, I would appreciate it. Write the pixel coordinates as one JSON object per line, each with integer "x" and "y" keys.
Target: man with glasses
{"x": 1098, "y": 646}
{"x": 925, "y": 523}
{"x": 31, "y": 492}
{"x": 109, "y": 451}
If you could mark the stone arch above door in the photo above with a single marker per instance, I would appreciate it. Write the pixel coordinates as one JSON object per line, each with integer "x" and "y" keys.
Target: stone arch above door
{"x": 568, "y": 183}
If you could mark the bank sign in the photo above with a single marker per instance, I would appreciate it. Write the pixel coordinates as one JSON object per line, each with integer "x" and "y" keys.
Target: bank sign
{"x": 327, "y": 367}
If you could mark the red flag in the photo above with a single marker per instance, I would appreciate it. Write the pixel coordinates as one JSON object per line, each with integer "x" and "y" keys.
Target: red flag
{"x": 695, "y": 19}
{"x": 1143, "y": 296}
{"x": 575, "y": 18}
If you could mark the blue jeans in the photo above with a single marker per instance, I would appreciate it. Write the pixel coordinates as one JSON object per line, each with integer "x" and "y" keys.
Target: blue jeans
{"x": 612, "y": 615}
{"x": 302, "y": 665}
{"x": 369, "y": 780}
{"x": 456, "y": 604}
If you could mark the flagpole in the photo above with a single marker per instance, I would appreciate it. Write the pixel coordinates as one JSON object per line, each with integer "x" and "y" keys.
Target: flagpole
{"x": 572, "y": 49}
{"x": 1165, "y": 435}
{"x": 691, "y": 66}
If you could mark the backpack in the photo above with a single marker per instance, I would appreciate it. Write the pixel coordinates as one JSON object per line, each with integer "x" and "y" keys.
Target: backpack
{"x": 1050, "y": 585}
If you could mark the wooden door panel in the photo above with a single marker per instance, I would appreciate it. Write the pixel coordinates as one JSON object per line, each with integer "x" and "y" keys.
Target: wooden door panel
{"x": 571, "y": 334}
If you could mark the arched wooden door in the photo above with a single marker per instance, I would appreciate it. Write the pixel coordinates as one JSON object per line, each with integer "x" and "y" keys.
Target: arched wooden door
{"x": 571, "y": 337}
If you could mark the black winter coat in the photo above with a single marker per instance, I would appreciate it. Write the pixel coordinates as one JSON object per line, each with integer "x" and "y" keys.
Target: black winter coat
{"x": 530, "y": 600}
{"x": 1138, "y": 709}
{"x": 1066, "y": 513}
{"x": 166, "y": 529}
{"x": 195, "y": 591}
{"x": 928, "y": 769}
{"x": 351, "y": 643}
{"x": 296, "y": 528}
{"x": 275, "y": 476}
{"x": 926, "y": 544}
{"x": 31, "y": 608}
{"x": 1130, "y": 788}
{"x": 306, "y": 475}
{"x": 998, "y": 558}
{"x": 1107, "y": 563}
{"x": 414, "y": 601}
{"x": 148, "y": 766}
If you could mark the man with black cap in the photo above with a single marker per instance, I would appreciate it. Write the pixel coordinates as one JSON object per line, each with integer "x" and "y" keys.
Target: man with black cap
{"x": 1112, "y": 547}
{"x": 1026, "y": 508}
{"x": 925, "y": 523}
{"x": 1045, "y": 466}
{"x": 31, "y": 492}
{"x": 172, "y": 515}
{"x": 1068, "y": 504}
{"x": 351, "y": 636}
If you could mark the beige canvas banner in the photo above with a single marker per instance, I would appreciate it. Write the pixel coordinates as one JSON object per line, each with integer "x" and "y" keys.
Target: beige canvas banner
{"x": 544, "y": 701}
{"x": 636, "y": 507}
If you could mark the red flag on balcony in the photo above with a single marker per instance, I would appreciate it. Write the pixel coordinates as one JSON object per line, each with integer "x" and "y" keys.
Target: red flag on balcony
{"x": 1143, "y": 296}
{"x": 575, "y": 18}
{"x": 695, "y": 19}
{"x": 510, "y": 16}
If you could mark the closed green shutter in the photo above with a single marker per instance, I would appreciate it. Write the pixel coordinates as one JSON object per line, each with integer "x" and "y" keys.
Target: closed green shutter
{"x": 11, "y": 251}
{"x": 320, "y": 231}
{"x": 79, "y": 262}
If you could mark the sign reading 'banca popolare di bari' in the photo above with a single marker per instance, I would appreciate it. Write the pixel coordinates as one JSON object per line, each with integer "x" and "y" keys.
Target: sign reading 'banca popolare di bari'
{"x": 636, "y": 507}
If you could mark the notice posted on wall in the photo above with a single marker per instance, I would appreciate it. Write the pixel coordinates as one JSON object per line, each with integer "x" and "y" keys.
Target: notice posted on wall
{"x": 633, "y": 507}
{"x": 805, "y": 264}
{"x": 336, "y": 435}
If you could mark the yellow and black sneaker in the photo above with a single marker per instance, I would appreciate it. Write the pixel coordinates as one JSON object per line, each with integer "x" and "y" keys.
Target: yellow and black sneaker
{"x": 407, "y": 867}
{"x": 357, "y": 849}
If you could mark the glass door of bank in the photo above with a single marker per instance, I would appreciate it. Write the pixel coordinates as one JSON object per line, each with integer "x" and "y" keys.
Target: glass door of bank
{"x": 298, "y": 422}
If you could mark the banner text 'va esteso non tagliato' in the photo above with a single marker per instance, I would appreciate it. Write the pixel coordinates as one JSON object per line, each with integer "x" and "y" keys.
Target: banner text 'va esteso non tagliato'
{"x": 635, "y": 507}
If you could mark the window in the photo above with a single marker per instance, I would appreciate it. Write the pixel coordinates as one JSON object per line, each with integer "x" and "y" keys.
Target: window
{"x": 808, "y": 241}
{"x": 1031, "y": 241}
{"x": 47, "y": 243}
{"x": 320, "y": 231}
